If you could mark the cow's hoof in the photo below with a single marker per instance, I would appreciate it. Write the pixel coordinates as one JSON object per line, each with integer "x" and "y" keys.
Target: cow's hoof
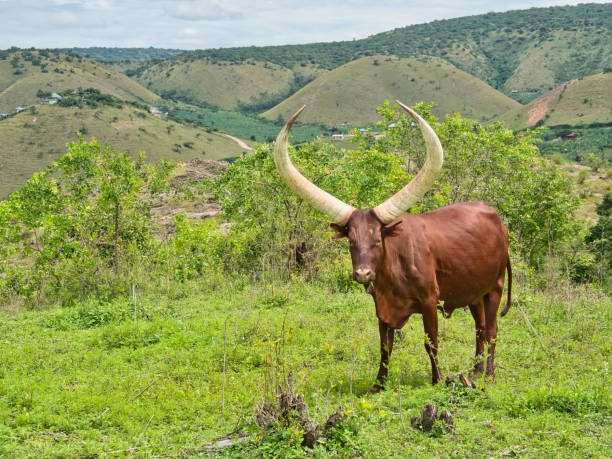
{"x": 376, "y": 388}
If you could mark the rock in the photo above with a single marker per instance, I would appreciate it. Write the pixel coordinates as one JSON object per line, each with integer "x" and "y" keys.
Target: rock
{"x": 429, "y": 415}
{"x": 446, "y": 417}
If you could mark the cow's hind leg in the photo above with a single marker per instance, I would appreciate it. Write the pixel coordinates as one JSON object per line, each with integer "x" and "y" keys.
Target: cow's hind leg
{"x": 478, "y": 313}
{"x": 491, "y": 305}
{"x": 387, "y": 335}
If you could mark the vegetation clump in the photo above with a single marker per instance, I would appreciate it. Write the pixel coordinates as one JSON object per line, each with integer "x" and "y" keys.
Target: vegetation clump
{"x": 88, "y": 97}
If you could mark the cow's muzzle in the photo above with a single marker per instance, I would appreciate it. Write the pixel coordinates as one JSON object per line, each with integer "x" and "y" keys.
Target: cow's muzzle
{"x": 364, "y": 275}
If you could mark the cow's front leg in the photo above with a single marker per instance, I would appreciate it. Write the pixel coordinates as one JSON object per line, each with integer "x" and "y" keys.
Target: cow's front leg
{"x": 430, "y": 324}
{"x": 387, "y": 335}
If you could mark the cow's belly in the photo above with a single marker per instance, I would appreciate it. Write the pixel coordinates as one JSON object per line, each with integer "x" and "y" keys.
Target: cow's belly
{"x": 461, "y": 288}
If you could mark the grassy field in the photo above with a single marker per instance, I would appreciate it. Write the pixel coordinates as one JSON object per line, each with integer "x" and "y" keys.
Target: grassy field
{"x": 164, "y": 374}
{"x": 596, "y": 140}
{"x": 57, "y": 73}
{"x": 239, "y": 124}
{"x": 575, "y": 103}
{"x": 32, "y": 140}
{"x": 351, "y": 93}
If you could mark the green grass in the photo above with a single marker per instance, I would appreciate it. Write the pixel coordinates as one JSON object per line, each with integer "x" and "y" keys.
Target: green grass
{"x": 248, "y": 127}
{"x": 165, "y": 374}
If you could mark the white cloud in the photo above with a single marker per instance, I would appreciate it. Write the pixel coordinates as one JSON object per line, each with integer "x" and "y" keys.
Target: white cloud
{"x": 222, "y": 23}
{"x": 196, "y": 10}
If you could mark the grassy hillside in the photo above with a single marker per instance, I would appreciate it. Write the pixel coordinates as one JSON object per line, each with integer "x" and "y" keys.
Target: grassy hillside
{"x": 576, "y": 103}
{"x": 165, "y": 375}
{"x": 32, "y": 140}
{"x": 246, "y": 86}
{"x": 524, "y": 53}
{"x": 24, "y": 73}
{"x": 351, "y": 93}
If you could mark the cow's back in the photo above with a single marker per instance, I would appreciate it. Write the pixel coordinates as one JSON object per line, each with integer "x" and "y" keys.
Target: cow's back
{"x": 468, "y": 244}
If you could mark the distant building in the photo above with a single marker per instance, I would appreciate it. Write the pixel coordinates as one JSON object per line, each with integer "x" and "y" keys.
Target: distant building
{"x": 155, "y": 111}
{"x": 52, "y": 99}
{"x": 337, "y": 137}
{"x": 3, "y": 115}
{"x": 569, "y": 136}
{"x": 19, "y": 109}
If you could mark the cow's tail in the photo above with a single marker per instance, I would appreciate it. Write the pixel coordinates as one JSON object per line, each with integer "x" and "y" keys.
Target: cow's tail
{"x": 509, "y": 300}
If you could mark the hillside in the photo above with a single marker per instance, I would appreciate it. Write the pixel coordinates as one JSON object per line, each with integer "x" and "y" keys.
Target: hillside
{"x": 523, "y": 53}
{"x": 575, "y": 103}
{"x": 247, "y": 86}
{"x": 30, "y": 141}
{"x": 351, "y": 93}
{"x": 24, "y": 73}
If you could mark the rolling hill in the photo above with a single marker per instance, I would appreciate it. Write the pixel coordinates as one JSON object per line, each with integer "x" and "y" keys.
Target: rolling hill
{"x": 248, "y": 86}
{"x": 522, "y": 53}
{"x": 575, "y": 103}
{"x": 351, "y": 93}
{"x": 24, "y": 73}
{"x": 32, "y": 140}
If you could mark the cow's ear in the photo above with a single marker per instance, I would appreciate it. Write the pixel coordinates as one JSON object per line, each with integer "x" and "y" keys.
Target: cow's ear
{"x": 392, "y": 229}
{"x": 340, "y": 230}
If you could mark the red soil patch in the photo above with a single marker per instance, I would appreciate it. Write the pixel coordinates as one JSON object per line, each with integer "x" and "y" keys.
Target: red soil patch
{"x": 541, "y": 106}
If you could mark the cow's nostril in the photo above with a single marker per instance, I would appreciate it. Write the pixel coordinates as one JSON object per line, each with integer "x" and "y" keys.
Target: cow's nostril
{"x": 363, "y": 275}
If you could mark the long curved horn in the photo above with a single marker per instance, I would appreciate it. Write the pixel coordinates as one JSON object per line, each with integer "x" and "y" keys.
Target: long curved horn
{"x": 418, "y": 186}
{"x": 338, "y": 211}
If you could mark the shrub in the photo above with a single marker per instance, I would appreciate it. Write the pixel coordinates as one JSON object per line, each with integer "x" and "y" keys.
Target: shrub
{"x": 79, "y": 228}
{"x": 599, "y": 239}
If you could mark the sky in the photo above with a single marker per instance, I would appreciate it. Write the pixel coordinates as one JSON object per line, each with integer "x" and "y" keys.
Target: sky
{"x": 199, "y": 24}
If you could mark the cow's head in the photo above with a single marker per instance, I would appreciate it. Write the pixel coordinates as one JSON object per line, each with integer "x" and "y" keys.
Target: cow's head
{"x": 366, "y": 235}
{"x": 366, "y": 230}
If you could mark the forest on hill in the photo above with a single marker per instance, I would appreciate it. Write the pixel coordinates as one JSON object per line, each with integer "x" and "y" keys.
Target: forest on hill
{"x": 111, "y": 55}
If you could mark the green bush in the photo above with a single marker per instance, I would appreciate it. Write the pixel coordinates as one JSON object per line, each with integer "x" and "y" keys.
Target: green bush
{"x": 599, "y": 240}
{"x": 81, "y": 227}
{"x": 277, "y": 231}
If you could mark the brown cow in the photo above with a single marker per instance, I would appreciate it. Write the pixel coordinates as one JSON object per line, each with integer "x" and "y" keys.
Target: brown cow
{"x": 456, "y": 255}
